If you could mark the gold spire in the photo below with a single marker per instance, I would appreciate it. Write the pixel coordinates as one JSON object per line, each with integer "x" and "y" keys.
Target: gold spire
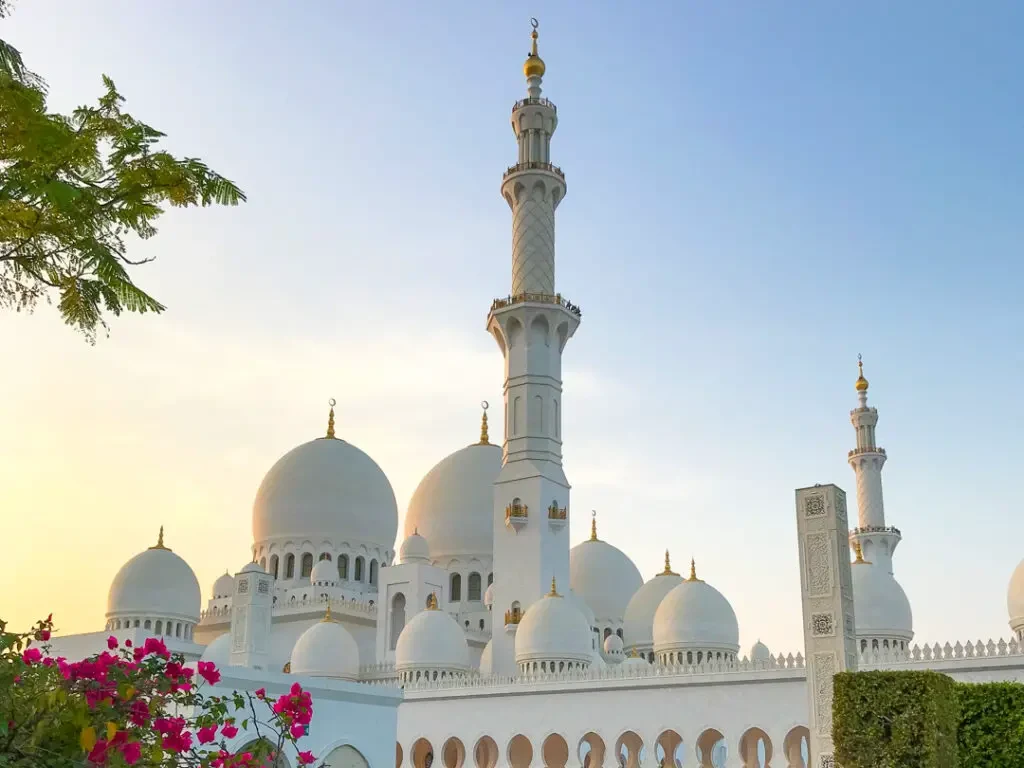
{"x": 693, "y": 571}
{"x": 534, "y": 65}
{"x": 432, "y": 602}
{"x": 327, "y": 614}
{"x": 330, "y": 418}
{"x": 593, "y": 525}
{"x": 859, "y": 553}
{"x": 553, "y": 592}
{"x": 160, "y": 541}
{"x": 861, "y": 384}
{"x": 668, "y": 567}
{"x": 484, "y": 439}
{"x": 632, "y": 652}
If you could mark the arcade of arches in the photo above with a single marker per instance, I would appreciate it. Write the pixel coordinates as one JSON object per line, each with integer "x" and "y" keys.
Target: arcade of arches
{"x": 709, "y": 750}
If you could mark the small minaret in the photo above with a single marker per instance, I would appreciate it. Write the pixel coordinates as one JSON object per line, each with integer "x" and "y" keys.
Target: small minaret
{"x": 251, "y": 609}
{"x": 531, "y": 325}
{"x": 876, "y": 540}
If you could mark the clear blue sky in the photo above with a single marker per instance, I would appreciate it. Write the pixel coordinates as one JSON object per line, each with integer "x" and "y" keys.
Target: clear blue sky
{"x": 756, "y": 193}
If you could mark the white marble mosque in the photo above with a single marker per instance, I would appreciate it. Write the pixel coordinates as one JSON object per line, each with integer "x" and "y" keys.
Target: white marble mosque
{"x": 487, "y": 639}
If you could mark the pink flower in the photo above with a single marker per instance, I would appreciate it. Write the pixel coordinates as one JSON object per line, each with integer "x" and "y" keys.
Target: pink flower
{"x": 208, "y": 671}
{"x": 131, "y": 752}
{"x": 111, "y": 642}
{"x": 128, "y": 643}
{"x": 298, "y": 731}
{"x": 44, "y": 635}
{"x": 229, "y": 731}
{"x": 157, "y": 646}
{"x": 31, "y": 655}
{"x": 173, "y": 670}
{"x": 139, "y": 712}
{"x": 177, "y": 742}
{"x": 98, "y": 754}
{"x": 261, "y": 693}
{"x": 207, "y": 734}
{"x": 305, "y": 758}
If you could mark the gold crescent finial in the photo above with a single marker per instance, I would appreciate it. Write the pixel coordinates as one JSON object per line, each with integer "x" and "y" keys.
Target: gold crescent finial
{"x": 693, "y": 570}
{"x": 668, "y": 567}
{"x": 534, "y": 66}
{"x": 553, "y": 592}
{"x": 593, "y": 525}
{"x": 160, "y": 540}
{"x": 484, "y": 439}
{"x": 432, "y": 602}
{"x": 330, "y": 418}
{"x": 327, "y": 613}
{"x": 861, "y": 385}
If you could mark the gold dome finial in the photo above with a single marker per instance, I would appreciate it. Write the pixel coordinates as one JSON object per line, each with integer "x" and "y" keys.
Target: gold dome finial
{"x": 859, "y": 554}
{"x": 432, "y": 602}
{"x": 668, "y": 567}
{"x": 693, "y": 570}
{"x": 534, "y": 65}
{"x": 160, "y": 540}
{"x": 553, "y": 592}
{"x": 862, "y": 384}
{"x": 327, "y": 614}
{"x": 593, "y": 525}
{"x": 330, "y": 418}
{"x": 484, "y": 439}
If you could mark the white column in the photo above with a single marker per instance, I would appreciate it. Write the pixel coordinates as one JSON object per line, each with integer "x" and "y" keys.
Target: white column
{"x": 251, "y": 609}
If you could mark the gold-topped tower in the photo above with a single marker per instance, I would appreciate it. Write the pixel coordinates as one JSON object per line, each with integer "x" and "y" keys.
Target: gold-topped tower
{"x": 330, "y": 419}
{"x": 160, "y": 541}
{"x": 534, "y": 64}
{"x": 484, "y": 437}
{"x": 861, "y": 385}
{"x": 668, "y": 567}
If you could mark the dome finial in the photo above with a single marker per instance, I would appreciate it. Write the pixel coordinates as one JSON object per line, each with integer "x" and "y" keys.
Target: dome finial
{"x": 553, "y": 592}
{"x": 861, "y": 385}
{"x": 859, "y": 554}
{"x": 160, "y": 540}
{"x": 593, "y": 525}
{"x": 330, "y": 418}
{"x": 693, "y": 570}
{"x": 432, "y": 602}
{"x": 484, "y": 439}
{"x": 534, "y": 66}
{"x": 327, "y": 613}
{"x": 668, "y": 567}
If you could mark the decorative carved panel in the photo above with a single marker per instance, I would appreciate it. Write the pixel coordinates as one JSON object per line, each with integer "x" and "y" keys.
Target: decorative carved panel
{"x": 818, "y": 558}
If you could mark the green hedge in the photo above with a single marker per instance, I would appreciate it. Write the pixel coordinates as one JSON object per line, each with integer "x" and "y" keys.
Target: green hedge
{"x": 895, "y": 720}
{"x": 991, "y": 731}
{"x": 926, "y": 720}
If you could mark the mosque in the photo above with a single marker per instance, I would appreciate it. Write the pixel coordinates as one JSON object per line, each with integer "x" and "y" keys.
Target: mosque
{"x": 486, "y": 639}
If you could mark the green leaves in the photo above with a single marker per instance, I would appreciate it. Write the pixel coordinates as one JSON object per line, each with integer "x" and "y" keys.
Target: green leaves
{"x": 72, "y": 188}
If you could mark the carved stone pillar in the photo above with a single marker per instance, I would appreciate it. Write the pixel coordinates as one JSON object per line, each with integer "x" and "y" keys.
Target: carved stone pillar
{"x": 826, "y": 590}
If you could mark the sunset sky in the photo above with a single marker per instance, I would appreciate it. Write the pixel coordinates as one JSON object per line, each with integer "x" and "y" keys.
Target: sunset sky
{"x": 756, "y": 193}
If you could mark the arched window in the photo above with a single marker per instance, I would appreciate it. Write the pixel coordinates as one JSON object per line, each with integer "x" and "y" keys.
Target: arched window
{"x": 359, "y": 568}
{"x": 307, "y": 565}
{"x": 490, "y": 579}
{"x": 397, "y": 618}
{"x": 619, "y": 632}
{"x": 324, "y": 556}
{"x": 289, "y": 566}
{"x": 373, "y": 571}
{"x": 481, "y": 625}
{"x": 455, "y": 590}
{"x": 159, "y": 627}
{"x": 607, "y": 631}
{"x": 273, "y": 565}
{"x": 343, "y": 567}
{"x": 474, "y": 586}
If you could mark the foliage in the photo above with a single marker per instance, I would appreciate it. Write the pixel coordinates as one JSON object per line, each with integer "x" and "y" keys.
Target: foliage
{"x": 73, "y": 187}
{"x": 895, "y": 720}
{"x": 991, "y": 725}
{"x": 133, "y": 706}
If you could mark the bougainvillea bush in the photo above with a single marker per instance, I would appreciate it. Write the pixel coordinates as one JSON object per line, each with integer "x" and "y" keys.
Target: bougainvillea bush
{"x": 135, "y": 706}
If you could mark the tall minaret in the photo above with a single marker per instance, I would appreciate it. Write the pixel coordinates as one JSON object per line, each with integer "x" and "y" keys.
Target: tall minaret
{"x": 531, "y": 326}
{"x": 877, "y": 541}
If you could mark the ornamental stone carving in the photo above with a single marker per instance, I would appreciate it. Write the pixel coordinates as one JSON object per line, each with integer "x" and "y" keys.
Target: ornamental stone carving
{"x": 822, "y": 624}
{"x": 819, "y": 566}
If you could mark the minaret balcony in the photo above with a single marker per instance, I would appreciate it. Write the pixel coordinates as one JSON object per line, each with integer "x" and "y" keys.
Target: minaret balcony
{"x": 537, "y": 298}
{"x": 534, "y": 166}
{"x": 867, "y": 529}
{"x": 558, "y": 517}
{"x": 516, "y": 516}
{"x": 862, "y": 451}
{"x": 512, "y": 619}
{"x": 529, "y": 101}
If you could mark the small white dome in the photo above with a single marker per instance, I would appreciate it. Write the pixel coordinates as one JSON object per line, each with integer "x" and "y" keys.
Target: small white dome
{"x": 604, "y": 577}
{"x": 453, "y": 506}
{"x": 432, "y": 640}
{"x": 759, "y": 652}
{"x": 489, "y": 596}
{"x": 1015, "y": 598}
{"x": 157, "y": 583}
{"x": 224, "y": 586}
{"x": 324, "y": 573}
{"x": 414, "y": 549}
{"x": 880, "y": 606}
{"x": 695, "y": 616}
{"x": 638, "y": 622}
{"x": 326, "y": 650}
{"x": 553, "y": 629}
{"x": 326, "y": 489}
{"x": 613, "y": 645}
{"x": 218, "y": 651}
{"x": 487, "y": 660}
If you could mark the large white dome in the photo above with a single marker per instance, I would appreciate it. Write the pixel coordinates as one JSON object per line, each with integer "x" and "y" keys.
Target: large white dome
{"x": 453, "y": 506}
{"x": 155, "y": 583}
{"x": 638, "y": 623}
{"x": 326, "y": 489}
{"x": 553, "y": 629}
{"x": 695, "y": 616}
{"x": 1015, "y": 598}
{"x": 604, "y": 577}
{"x": 218, "y": 651}
{"x": 880, "y": 606}
{"x": 432, "y": 640}
{"x": 326, "y": 650}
